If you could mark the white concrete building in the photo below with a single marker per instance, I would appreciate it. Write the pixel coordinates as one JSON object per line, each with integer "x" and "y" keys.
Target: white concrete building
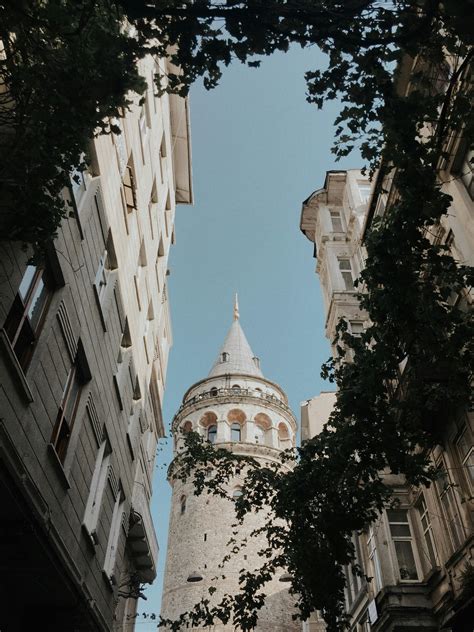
{"x": 84, "y": 343}
{"x": 415, "y": 555}
{"x": 239, "y": 409}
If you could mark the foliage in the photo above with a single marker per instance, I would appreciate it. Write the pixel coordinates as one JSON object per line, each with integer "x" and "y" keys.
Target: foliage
{"x": 68, "y": 66}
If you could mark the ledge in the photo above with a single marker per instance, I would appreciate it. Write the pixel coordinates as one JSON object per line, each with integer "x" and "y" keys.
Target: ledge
{"x": 21, "y": 382}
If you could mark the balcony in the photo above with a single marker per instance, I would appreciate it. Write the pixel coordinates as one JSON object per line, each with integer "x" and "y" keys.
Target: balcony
{"x": 234, "y": 394}
{"x": 141, "y": 540}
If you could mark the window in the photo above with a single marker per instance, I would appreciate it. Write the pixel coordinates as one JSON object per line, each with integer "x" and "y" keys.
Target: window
{"x": 26, "y": 316}
{"x": 449, "y": 506}
{"x": 374, "y": 559}
{"x": 129, "y": 188}
{"x": 213, "y": 391}
{"x": 114, "y": 534}
{"x": 104, "y": 279}
{"x": 429, "y": 548}
{"x": 212, "y": 433}
{"x": 182, "y": 505}
{"x": 467, "y": 172}
{"x": 224, "y": 357}
{"x": 237, "y": 493}
{"x": 403, "y": 543}
{"x": 187, "y": 427}
{"x": 236, "y": 389}
{"x": 235, "y": 432}
{"x": 346, "y": 273}
{"x": 283, "y": 436}
{"x": 68, "y": 409}
{"x": 96, "y": 492}
{"x": 364, "y": 191}
{"x": 356, "y": 327}
{"x": 336, "y": 221}
{"x": 259, "y": 434}
{"x": 465, "y": 451}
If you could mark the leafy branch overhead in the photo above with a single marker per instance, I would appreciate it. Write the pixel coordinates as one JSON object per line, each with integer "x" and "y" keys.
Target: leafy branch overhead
{"x": 68, "y": 66}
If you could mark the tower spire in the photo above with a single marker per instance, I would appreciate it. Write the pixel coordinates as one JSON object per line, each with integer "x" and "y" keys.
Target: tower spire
{"x": 236, "y": 307}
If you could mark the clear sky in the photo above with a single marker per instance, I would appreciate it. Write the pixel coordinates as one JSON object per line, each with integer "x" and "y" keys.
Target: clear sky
{"x": 259, "y": 149}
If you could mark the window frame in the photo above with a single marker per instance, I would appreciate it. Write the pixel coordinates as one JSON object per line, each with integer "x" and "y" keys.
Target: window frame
{"x": 456, "y": 536}
{"x": 60, "y": 441}
{"x": 424, "y": 518}
{"x": 211, "y": 433}
{"x": 336, "y": 221}
{"x": 235, "y": 428}
{"x": 410, "y": 538}
{"x": 346, "y": 271}
{"x": 374, "y": 559}
{"x": 19, "y": 319}
{"x": 464, "y": 459}
{"x": 97, "y": 489}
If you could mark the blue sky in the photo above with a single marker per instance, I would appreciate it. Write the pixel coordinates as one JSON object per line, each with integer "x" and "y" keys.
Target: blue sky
{"x": 259, "y": 149}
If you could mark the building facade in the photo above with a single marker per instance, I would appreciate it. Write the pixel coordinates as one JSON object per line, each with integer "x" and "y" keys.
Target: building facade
{"x": 416, "y": 555}
{"x": 84, "y": 343}
{"x": 238, "y": 409}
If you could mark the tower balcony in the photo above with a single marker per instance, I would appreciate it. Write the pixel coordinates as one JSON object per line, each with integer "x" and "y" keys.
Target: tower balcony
{"x": 141, "y": 541}
{"x": 232, "y": 395}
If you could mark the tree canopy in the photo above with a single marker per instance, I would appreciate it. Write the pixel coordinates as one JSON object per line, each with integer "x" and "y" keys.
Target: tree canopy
{"x": 68, "y": 66}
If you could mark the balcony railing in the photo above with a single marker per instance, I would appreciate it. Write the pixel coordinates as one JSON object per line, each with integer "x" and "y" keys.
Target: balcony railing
{"x": 234, "y": 393}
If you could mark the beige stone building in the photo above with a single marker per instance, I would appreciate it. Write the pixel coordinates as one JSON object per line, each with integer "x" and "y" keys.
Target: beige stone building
{"x": 415, "y": 554}
{"x": 84, "y": 343}
{"x": 238, "y": 409}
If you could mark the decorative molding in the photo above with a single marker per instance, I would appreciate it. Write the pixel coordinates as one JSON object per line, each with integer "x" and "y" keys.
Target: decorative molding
{"x": 67, "y": 330}
{"x": 94, "y": 419}
{"x": 113, "y": 482}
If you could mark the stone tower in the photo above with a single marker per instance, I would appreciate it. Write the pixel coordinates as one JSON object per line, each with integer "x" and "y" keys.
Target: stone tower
{"x": 236, "y": 407}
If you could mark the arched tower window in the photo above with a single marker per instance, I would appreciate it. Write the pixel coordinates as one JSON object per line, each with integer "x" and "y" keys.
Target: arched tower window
{"x": 283, "y": 436}
{"x": 236, "y": 389}
{"x": 237, "y": 493}
{"x": 225, "y": 357}
{"x": 235, "y": 432}
{"x": 213, "y": 391}
{"x": 182, "y": 504}
{"x": 212, "y": 433}
{"x": 187, "y": 427}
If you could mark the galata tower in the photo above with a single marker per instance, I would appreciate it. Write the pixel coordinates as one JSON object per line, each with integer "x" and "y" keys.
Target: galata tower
{"x": 236, "y": 407}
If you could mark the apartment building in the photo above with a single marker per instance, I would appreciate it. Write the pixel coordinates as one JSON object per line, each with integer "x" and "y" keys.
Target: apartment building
{"x": 417, "y": 554}
{"x": 84, "y": 343}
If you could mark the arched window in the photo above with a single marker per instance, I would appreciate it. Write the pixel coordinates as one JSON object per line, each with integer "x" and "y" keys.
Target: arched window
{"x": 187, "y": 427}
{"x": 259, "y": 434}
{"x": 235, "y": 432}
{"x": 236, "y": 389}
{"x": 284, "y": 439}
{"x": 183, "y": 504}
{"x": 225, "y": 357}
{"x": 213, "y": 391}
{"x": 237, "y": 493}
{"x": 212, "y": 433}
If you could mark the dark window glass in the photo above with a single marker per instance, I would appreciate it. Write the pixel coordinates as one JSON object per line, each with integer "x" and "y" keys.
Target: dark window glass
{"x": 235, "y": 432}
{"x": 212, "y": 433}
{"x": 67, "y": 412}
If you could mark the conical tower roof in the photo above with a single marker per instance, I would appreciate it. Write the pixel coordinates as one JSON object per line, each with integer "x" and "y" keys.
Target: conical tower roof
{"x": 235, "y": 355}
